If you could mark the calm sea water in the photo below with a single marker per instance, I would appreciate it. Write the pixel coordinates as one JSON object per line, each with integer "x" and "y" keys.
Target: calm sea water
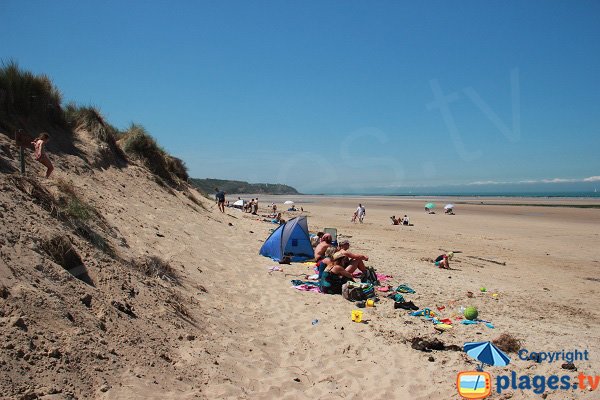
{"x": 572, "y": 195}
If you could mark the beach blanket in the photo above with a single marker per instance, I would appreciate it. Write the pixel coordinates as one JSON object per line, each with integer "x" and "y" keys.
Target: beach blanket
{"x": 307, "y": 288}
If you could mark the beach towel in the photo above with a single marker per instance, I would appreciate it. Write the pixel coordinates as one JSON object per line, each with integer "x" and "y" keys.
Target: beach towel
{"x": 307, "y": 288}
{"x": 383, "y": 277}
{"x": 404, "y": 288}
{"x": 397, "y": 297}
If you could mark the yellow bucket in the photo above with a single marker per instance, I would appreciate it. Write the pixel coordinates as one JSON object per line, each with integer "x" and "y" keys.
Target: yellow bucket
{"x": 357, "y": 315}
{"x": 370, "y": 303}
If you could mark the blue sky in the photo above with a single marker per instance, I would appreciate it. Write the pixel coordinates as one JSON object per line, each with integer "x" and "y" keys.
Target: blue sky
{"x": 335, "y": 96}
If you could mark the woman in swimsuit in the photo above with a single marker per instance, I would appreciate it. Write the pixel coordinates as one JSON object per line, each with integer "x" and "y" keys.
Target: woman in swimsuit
{"x": 40, "y": 154}
{"x": 335, "y": 275}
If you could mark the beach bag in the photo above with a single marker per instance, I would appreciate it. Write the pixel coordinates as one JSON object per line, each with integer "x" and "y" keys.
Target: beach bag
{"x": 353, "y": 291}
{"x": 369, "y": 276}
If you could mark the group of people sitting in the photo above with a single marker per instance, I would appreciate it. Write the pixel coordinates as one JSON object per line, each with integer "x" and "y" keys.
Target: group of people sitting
{"x": 400, "y": 221}
{"x": 274, "y": 218}
{"x": 336, "y": 264}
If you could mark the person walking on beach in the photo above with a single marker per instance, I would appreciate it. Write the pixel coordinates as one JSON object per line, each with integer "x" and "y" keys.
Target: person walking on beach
{"x": 40, "y": 153}
{"x": 220, "y": 197}
{"x": 361, "y": 213}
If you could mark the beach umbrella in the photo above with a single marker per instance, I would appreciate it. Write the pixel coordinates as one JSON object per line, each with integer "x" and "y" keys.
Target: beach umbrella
{"x": 486, "y": 353}
{"x": 448, "y": 206}
{"x": 288, "y": 202}
{"x": 430, "y": 205}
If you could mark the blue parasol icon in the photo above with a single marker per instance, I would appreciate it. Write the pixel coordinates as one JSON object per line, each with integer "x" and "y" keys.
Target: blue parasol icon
{"x": 486, "y": 353}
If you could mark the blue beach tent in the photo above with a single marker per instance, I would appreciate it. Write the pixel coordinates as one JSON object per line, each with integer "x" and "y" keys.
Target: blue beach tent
{"x": 290, "y": 239}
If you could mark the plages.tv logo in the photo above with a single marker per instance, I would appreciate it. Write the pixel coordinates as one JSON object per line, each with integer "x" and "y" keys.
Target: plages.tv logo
{"x": 474, "y": 384}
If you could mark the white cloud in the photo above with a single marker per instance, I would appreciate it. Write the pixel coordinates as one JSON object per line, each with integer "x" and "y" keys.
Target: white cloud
{"x": 533, "y": 181}
{"x": 592, "y": 179}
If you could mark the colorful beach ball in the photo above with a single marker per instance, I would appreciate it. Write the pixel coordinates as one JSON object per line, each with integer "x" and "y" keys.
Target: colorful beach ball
{"x": 471, "y": 313}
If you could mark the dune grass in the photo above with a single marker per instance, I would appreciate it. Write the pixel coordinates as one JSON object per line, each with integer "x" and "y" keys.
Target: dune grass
{"x": 27, "y": 99}
{"x": 138, "y": 143}
{"x": 32, "y": 102}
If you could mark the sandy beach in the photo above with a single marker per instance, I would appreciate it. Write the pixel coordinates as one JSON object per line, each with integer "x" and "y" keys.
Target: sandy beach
{"x": 540, "y": 262}
{"x": 230, "y": 329}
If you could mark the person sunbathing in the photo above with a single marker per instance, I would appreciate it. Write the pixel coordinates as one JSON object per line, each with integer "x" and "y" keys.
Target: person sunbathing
{"x": 322, "y": 247}
{"x": 394, "y": 220}
{"x": 405, "y": 220}
{"x": 334, "y": 275}
{"x": 352, "y": 261}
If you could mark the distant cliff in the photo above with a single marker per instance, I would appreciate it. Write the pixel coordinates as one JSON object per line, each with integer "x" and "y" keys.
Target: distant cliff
{"x": 236, "y": 187}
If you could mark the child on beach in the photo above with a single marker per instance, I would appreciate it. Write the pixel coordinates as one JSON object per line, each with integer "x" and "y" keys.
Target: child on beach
{"x": 40, "y": 153}
{"x": 443, "y": 261}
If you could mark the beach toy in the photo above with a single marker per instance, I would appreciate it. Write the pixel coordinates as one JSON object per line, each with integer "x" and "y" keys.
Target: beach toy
{"x": 471, "y": 313}
{"x": 483, "y": 289}
{"x": 357, "y": 315}
{"x": 495, "y": 295}
{"x": 442, "y": 327}
{"x": 426, "y": 312}
{"x": 370, "y": 303}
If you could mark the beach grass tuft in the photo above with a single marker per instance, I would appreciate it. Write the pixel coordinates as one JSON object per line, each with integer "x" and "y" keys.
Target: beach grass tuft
{"x": 28, "y": 99}
{"x": 156, "y": 267}
{"x": 138, "y": 143}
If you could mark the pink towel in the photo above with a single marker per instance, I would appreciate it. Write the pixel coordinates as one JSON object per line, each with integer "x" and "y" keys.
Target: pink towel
{"x": 307, "y": 288}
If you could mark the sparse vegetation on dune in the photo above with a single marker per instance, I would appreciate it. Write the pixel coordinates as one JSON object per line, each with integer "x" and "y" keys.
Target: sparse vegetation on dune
{"x": 28, "y": 100}
{"x": 138, "y": 143}
{"x": 66, "y": 264}
{"x": 32, "y": 102}
{"x": 156, "y": 267}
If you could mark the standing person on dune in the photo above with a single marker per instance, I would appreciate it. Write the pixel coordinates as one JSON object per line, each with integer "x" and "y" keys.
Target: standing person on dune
{"x": 220, "y": 197}
{"x": 40, "y": 152}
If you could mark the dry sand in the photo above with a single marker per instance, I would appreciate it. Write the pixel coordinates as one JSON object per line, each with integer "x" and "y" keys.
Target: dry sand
{"x": 231, "y": 329}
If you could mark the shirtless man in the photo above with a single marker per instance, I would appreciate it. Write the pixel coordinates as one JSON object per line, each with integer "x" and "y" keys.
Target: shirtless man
{"x": 322, "y": 247}
{"x": 353, "y": 260}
